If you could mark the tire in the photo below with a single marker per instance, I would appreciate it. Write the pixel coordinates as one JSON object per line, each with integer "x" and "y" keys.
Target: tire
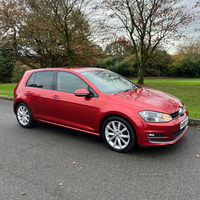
{"x": 24, "y": 116}
{"x": 118, "y": 134}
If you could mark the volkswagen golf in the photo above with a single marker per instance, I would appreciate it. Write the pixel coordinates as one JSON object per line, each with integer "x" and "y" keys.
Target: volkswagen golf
{"x": 100, "y": 102}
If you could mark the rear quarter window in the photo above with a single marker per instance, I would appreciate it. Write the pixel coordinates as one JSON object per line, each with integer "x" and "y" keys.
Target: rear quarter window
{"x": 30, "y": 82}
{"x": 41, "y": 80}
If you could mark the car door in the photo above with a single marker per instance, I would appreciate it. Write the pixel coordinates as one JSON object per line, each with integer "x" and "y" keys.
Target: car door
{"x": 39, "y": 93}
{"x": 68, "y": 109}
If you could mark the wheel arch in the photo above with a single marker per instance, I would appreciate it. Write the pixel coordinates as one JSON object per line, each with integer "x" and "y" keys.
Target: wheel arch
{"x": 16, "y": 104}
{"x": 114, "y": 115}
{"x": 21, "y": 101}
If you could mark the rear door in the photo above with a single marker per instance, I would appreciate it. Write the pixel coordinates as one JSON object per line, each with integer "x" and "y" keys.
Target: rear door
{"x": 39, "y": 92}
{"x": 68, "y": 109}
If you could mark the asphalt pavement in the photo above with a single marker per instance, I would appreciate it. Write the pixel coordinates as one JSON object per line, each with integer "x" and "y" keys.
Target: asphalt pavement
{"x": 49, "y": 162}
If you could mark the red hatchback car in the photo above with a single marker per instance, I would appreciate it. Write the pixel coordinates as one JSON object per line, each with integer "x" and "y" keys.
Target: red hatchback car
{"x": 102, "y": 103}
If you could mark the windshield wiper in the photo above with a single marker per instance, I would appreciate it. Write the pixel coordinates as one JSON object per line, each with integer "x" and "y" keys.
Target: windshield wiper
{"x": 128, "y": 90}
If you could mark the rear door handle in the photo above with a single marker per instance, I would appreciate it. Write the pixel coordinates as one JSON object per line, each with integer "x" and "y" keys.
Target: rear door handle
{"x": 56, "y": 97}
{"x": 29, "y": 92}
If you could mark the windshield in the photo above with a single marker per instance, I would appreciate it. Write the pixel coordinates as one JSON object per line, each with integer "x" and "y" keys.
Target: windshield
{"x": 109, "y": 82}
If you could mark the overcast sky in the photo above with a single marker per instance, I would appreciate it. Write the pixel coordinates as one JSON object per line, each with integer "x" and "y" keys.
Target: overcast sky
{"x": 190, "y": 31}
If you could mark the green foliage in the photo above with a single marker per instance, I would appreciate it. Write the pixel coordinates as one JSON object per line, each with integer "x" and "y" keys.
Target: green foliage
{"x": 19, "y": 72}
{"x": 6, "y": 67}
{"x": 189, "y": 67}
{"x": 127, "y": 67}
{"x": 176, "y": 61}
{"x": 158, "y": 63}
{"x": 110, "y": 62}
{"x": 122, "y": 65}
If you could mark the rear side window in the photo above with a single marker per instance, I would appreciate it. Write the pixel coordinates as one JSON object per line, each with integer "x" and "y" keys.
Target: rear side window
{"x": 44, "y": 80}
{"x": 30, "y": 82}
{"x": 41, "y": 80}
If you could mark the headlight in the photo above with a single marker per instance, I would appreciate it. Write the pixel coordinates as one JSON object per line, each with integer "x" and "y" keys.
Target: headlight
{"x": 184, "y": 109}
{"x": 151, "y": 116}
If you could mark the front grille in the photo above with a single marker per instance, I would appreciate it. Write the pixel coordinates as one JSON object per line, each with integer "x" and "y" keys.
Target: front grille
{"x": 177, "y": 133}
{"x": 175, "y": 115}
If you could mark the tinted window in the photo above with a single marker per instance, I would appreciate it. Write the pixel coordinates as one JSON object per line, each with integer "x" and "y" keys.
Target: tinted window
{"x": 31, "y": 80}
{"x": 44, "y": 79}
{"x": 67, "y": 82}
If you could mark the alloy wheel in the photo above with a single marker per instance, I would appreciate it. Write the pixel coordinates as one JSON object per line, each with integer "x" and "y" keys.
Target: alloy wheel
{"x": 23, "y": 115}
{"x": 117, "y": 135}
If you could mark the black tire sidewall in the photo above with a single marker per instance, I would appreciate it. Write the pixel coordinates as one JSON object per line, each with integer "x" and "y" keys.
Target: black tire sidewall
{"x": 132, "y": 142}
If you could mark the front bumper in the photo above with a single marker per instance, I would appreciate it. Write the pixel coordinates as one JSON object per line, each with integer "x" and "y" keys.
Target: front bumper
{"x": 158, "y": 134}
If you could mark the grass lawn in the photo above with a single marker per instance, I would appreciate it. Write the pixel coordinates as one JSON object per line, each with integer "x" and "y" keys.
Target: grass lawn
{"x": 187, "y": 90}
{"x": 7, "y": 89}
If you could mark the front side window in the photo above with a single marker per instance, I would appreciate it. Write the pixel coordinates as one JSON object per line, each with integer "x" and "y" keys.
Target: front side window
{"x": 109, "y": 82}
{"x": 68, "y": 82}
{"x": 44, "y": 79}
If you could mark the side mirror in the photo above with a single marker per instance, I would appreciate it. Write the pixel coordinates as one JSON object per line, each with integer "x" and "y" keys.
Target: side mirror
{"x": 81, "y": 93}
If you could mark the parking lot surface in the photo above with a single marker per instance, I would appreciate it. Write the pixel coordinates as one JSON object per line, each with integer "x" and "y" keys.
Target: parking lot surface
{"x": 49, "y": 162}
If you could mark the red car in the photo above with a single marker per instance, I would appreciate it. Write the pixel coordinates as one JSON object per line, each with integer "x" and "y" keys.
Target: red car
{"x": 102, "y": 103}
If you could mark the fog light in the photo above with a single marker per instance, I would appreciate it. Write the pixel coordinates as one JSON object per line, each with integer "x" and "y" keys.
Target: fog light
{"x": 151, "y": 135}
{"x": 155, "y": 135}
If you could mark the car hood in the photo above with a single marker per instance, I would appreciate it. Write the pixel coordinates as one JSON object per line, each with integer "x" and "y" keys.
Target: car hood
{"x": 149, "y": 99}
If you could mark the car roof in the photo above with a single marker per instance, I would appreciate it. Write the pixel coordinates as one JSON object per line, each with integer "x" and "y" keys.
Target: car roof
{"x": 83, "y": 69}
{"x": 75, "y": 69}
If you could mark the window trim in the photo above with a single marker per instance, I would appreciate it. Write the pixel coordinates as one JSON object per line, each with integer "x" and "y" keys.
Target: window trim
{"x": 52, "y": 81}
{"x": 33, "y": 80}
{"x": 90, "y": 89}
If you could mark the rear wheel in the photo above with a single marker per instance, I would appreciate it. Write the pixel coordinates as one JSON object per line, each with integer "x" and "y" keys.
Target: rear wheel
{"x": 118, "y": 134}
{"x": 24, "y": 116}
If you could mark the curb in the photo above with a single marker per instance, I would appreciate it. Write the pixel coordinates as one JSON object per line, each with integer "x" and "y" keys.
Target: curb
{"x": 6, "y": 98}
{"x": 192, "y": 121}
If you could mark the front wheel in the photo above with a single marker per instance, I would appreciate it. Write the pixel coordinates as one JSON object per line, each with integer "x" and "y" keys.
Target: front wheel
{"x": 118, "y": 134}
{"x": 24, "y": 116}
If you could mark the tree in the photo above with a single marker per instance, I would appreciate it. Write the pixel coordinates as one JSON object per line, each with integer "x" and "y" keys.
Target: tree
{"x": 148, "y": 21}
{"x": 71, "y": 22}
{"x": 6, "y": 66}
{"x": 28, "y": 34}
{"x": 190, "y": 46}
{"x": 176, "y": 61}
{"x": 189, "y": 67}
{"x": 158, "y": 63}
{"x": 47, "y": 33}
{"x": 120, "y": 46}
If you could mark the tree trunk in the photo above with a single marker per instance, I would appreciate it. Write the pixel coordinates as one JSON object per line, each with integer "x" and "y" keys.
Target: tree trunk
{"x": 70, "y": 56}
{"x": 71, "y": 61}
{"x": 141, "y": 73}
